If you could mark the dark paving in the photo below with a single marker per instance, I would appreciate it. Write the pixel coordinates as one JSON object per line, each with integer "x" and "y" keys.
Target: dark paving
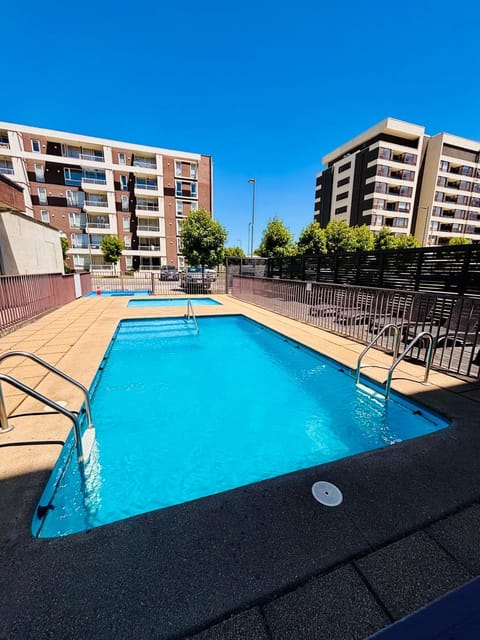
{"x": 460, "y": 536}
{"x": 264, "y": 559}
{"x": 244, "y": 626}
{"x": 338, "y": 605}
{"x": 410, "y": 573}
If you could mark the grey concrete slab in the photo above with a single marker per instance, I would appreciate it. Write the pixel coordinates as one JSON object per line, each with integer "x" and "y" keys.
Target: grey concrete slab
{"x": 460, "y": 535}
{"x": 336, "y": 605}
{"x": 248, "y": 625}
{"x": 410, "y": 573}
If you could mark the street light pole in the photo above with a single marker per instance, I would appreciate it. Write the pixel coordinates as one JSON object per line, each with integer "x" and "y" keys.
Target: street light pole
{"x": 254, "y": 182}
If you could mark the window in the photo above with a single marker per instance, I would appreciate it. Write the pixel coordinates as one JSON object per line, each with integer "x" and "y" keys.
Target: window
{"x": 194, "y": 189}
{"x": 79, "y": 240}
{"x": 339, "y": 210}
{"x": 410, "y": 158}
{"x": 344, "y": 167}
{"x": 444, "y": 165}
{"x": 439, "y": 196}
{"x": 194, "y": 206}
{"x": 77, "y": 220}
{"x": 384, "y": 153}
{"x": 150, "y": 184}
{"x": 6, "y": 167}
{"x": 402, "y": 222}
{"x": 75, "y": 198}
{"x": 341, "y": 196}
{"x": 39, "y": 175}
{"x": 123, "y": 183}
{"x": 378, "y": 203}
{"x": 404, "y": 206}
{"x": 381, "y": 187}
{"x": 126, "y": 223}
{"x": 343, "y": 181}
{"x": 144, "y": 161}
{"x": 122, "y": 159}
{"x": 42, "y": 195}
{"x": 92, "y": 176}
{"x": 125, "y": 203}
{"x": 178, "y": 168}
{"x": 382, "y": 170}
{"x": 128, "y": 262}
{"x": 36, "y": 146}
{"x": 178, "y": 188}
{"x": 179, "y": 207}
{"x": 193, "y": 171}
{"x": 73, "y": 177}
{"x": 441, "y": 181}
{"x": 127, "y": 241}
{"x": 45, "y": 216}
{"x": 4, "y": 140}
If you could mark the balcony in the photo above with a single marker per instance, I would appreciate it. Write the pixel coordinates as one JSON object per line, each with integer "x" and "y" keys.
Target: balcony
{"x": 149, "y": 248}
{"x": 81, "y": 153}
{"x": 147, "y": 163}
{"x": 4, "y": 143}
{"x": 145, "y": 231}
{"x": 98, "y": 225}
{"x": 95, "y": 205}
{"x": 95, "y": 184}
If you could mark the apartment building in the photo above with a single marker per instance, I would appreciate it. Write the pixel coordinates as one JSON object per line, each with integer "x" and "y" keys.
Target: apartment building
{"x": 89, "y": 187}
{"x": 394, "y": 175}
{"x": 449, "y": 202}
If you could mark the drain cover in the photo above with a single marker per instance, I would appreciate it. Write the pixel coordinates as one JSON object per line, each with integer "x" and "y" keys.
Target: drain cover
{"x": 327, "y": 493}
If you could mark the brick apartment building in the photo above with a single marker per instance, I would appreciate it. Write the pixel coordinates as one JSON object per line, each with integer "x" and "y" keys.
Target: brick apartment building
{"x": 89, "y": 187}
{"x": 395, "y": 175}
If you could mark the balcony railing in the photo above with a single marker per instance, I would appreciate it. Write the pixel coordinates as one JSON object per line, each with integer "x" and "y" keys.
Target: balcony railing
{"x": 95, "y": 180}
{"x": 98, "y": 225}
{"x": 149, "y": 247}
{"x": 143, "y": 162}
{"x": 147, "y": 207}
{"x": 96, "y": 203}
{"x": 7, "y": 170}
{"x": 144, "y": 227}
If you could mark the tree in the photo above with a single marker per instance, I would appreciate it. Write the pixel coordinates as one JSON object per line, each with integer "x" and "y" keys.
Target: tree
{"x": 363, "y": 238}
{"x": 234, "y": 252}
{"x": 312, "y": 240}
{"x": 65, "y": 246}
{"x": 385, "y": 239}
{"x": 112, "y": 248}
{"x": 339, "y": 236}
{"x": 277, "y": 241}
{"x": 407, "y": 242}
{"x": 202, "y": 240}
{"x": 458, "y": 241}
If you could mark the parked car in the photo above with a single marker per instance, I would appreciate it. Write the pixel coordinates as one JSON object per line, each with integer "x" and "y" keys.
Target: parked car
{"x": 168, "y": 272}
{"x": 193, "y": 281}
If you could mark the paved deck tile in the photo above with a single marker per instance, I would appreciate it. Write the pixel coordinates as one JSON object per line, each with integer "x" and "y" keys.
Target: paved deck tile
{"x": 244, "y": 626}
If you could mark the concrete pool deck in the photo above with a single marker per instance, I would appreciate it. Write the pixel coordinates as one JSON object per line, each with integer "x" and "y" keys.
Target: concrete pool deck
{"x": 261, "y": 561}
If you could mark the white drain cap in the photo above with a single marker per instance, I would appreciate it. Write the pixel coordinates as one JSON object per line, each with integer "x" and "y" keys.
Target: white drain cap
{"x": 327, "y": 494}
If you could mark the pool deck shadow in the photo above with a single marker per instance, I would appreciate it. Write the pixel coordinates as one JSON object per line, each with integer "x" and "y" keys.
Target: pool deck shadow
{"x": 262, "y": 561}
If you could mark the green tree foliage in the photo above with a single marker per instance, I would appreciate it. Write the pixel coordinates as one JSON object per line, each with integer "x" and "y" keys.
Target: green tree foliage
{"x": 112, "y": 248}
{"x": 234, "y": 252}
{"x": 458, "y": 241}
{"x": 339, "y": 236}
{"x": 407, "y": 242}
{"x": 363, "y": 238}
{"x": 312, "y": 240}
{"x": 202, "y": 239}
{"x": 65, "y": 246}
{"x": 277, "y": 241}
{"x": 385, "y": 239}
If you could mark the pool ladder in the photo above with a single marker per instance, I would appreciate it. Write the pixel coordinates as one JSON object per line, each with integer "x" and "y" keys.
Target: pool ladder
{"x": 397, "y": 359}
{"x": 190, "y": 315}
{"x": 73, "y": 416}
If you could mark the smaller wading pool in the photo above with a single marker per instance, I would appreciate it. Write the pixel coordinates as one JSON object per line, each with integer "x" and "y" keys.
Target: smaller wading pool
{"x": 173, "y": 302}
{"x": 119, "y": 293}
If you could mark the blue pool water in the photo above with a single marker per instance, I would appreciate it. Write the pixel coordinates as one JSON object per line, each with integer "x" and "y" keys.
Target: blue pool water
{"x": 172, "y": 302}
{"x": 118, "y": 293}
{"x": 179, "y": 416}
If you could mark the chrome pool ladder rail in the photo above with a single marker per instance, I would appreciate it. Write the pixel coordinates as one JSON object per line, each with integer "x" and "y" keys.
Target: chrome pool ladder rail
{"x": 190, "y": 315}
{"x": 372, "y": 343}
{"x": 53, "y": 405}
{"x": 50, "y": 367}
{"x": 409, "y": 347}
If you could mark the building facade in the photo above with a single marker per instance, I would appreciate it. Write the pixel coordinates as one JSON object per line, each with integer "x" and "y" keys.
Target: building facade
{"x": 90, "y": 187}
{"x": 394, "y": 175}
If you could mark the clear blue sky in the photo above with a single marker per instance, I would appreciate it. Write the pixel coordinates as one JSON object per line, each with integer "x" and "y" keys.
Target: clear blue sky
{"x": 266, "y": 88}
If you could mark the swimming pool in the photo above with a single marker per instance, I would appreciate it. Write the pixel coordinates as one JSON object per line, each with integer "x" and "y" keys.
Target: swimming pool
{"x": 173, "y": 302}
{"x": 181, "y": 415}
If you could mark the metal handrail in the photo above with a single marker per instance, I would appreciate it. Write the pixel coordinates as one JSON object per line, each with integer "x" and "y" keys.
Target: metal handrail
{"x": 423, "y": 334}
{"x": 396, "y": 344}
{"x": 53, "y": 405}
{"x": 47, "y": 365}
{"x": 190, "y": 315}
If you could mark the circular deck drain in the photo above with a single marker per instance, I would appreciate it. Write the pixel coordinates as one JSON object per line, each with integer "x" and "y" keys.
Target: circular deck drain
{"x": 327, "y": 493}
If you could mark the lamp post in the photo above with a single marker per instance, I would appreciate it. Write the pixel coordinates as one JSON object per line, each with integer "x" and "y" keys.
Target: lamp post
{"x": 254, "y": 182}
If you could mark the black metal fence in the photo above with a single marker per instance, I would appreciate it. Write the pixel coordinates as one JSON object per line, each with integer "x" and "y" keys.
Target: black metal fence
{"x": 453, "y": 269}
{"x": 360, "y": 313}
{"x": 152, "y": 283}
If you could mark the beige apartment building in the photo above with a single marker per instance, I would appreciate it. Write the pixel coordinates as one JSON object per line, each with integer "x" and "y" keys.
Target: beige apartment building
{"x": 394, "y": 175}
{"x": 89, "y": 187}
